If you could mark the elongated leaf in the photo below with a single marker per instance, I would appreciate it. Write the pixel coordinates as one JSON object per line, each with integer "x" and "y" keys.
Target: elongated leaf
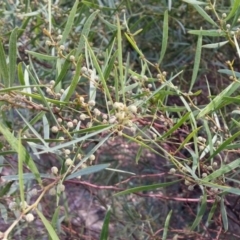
{"x": 75, "y": 80}
{"x": 3, "y": 66}
{"x": 5, "y": 189}
{"x": 164, "y": 37}
{"x": 69, "y": 23}
{"x": 88, "y": 170}
{"x": 218, "y": 99}
{"x": 200, "y": 213}
{"x": 104, "y": 231}
{"x": 196, "y": 61}
{"x": 235, "y": 6}
{"x": 195, "y": 2}
{"x": 210, "y": 33}
{"x": 16, "y": 146}
{"x": 177, "y": 125}
{"x": 224, "y": 215}
{"x": 85, "y": 32}
{"x": 166, "y": 225}
{"x": 12, "y": 56}
{"x": 145, "y": 188}
{"x": 223, "y": 170}
{"x": 204, "y": 15}
{"x": 99, "y": 71}
{"x": 41, "y": 56}
{"x": 47, "y": 225}
{"x": 20, "y": 170}
{"x": 21, "y": 74}
{"x": 215, "y": 45}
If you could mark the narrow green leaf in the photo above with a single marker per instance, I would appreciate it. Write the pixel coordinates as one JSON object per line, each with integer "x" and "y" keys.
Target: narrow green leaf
{"x": 64, "y": 69}
{"x": 215, "y": 45}
{"x": 229, "y": 72}
{"x": 3, "y": 66}
{"x": 224, "y": 215}
{"x": 120, "y": 59}
{"x": 20, "y": 169}
{"x": 223, "y": 170}
{"x": 85, "y": 32}
{"x": 99, "y": 71}
{"x": 88, "y": 170}
{"x": 177, "y": 125}
{"x": 12, "y": 56}
{"x": 211, "y": 213}
{"x": 196, "y": 62}
{"x": 194, "y": 2}
{"x": 164, "y": 37}
{"x": 21, "y": 74}
{"x": 224, "y": 144}
{"x": 209, "y": 33}
{"x": 204, "y": 15}
{"x": 235, "y": 6}
{"x": 146, "y": 188}
{"x": 200, "y": 213}
{"x": 42, "y": 56}
{"x": 25, "y": 156}
{"x": 55, "y": 218}
{"x": 218, "y": 99}
{"x": 69, "y": 23}
{"x": 47, "y": 225}
{"x": 75, "y": 80}
{"x": 166, "y": 225}
{"x": 105, "y": 227}
{"x": 5, "y": 189}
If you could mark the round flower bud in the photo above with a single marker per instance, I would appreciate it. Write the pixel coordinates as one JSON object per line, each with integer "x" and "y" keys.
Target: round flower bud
{"x": 186, "y": 182}
{"x": 91, "y": 103}
{"x": 59, "y": 120}
{"x": 59, "y": 37}
{"x": 172, "y": 171}
{"x": 132, "y": 108}
{"x": 29, "y": 217}
{"x": 68, "y": 162}
{"x": 61, "y": 138}
{"x": 12, "y": 206}
{"x": 92, "y": 157}
{"x": 120, "y": 133}
{"x": 79, "y": 156}
{"x": 224, "y": 15}
{"x": 48, "y": 43}
{"x": 75, "y": 121}
{"x": 83, "y": 116}
{"x": 62, "y": 47}
{"x": 54, "y": 170}
{"x": 23, "y": 204}
{"x": 112, "y": 119}
{"x": 72, "y": 58}
{"x": 67, "y": 151}
{"x": 52, "y": 82}
{"x": 149, "y": 85}
{"x": 54, "y": 129}
{"x": 52, "y": 191}
{"x": 96, "y": 112}
{"x": 61, "y": 187}
{"x": 215, "y": 165}
{"x": 70, "y": 124}
{"x": 34, "y": 192}
{"x": 204, "y": 175}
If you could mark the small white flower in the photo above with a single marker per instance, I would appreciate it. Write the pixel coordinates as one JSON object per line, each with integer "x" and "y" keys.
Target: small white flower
{"x": 67, "y": 151}
{"x": 79, "y": 156}
{"x": 62, "y": 47}
{"x": 72, "y": 58}
{"x": 83, "y": 116}
{"x": 172, "y": 171}
{"x": 204, "y": 175}
{"x": 12, "y": 206}
{"x": 54, "y": 129}
{"x": 29, "y": 217}
{"x": 54, "y": 170}
{"x": 132, "y": 108}
{"x": 91, "y": 103}
{"x": 61, "y": 187}
{"x": 92, "y": 157}
{"x": 70, "y": 124}
{"x": 96, "y": 112}
{"x": 52, "y": 191}
{"x": 68, "y": 162}
{"x": 23, "y": 205}
{"x": 59, "y": 37}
